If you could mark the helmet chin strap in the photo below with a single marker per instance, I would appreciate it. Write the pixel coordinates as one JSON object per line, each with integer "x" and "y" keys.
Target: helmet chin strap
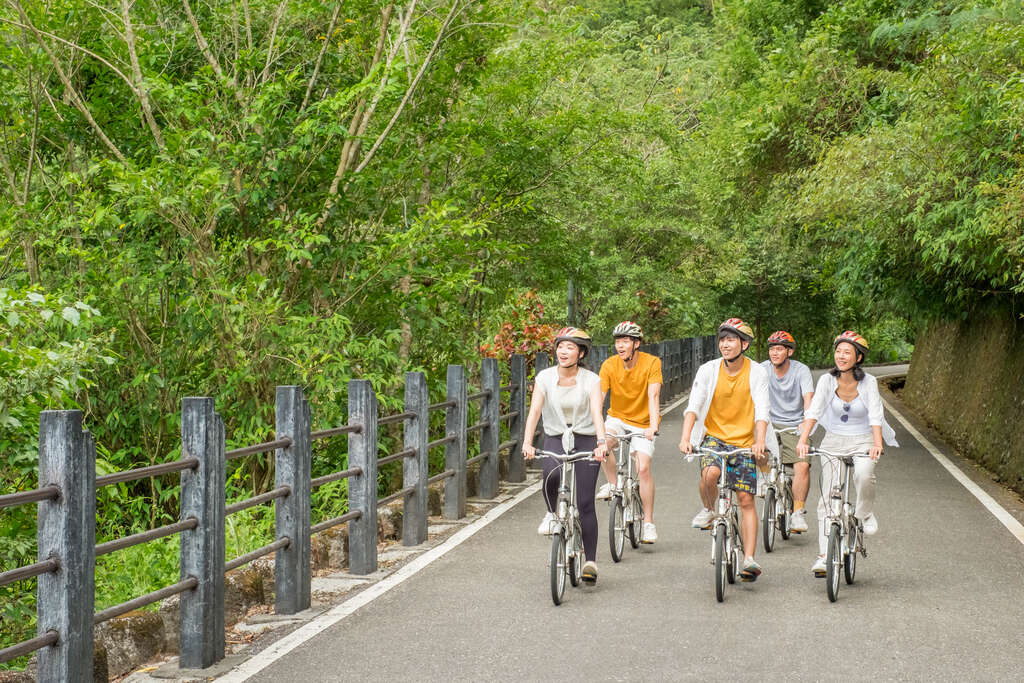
{"x": 738, "y": 356}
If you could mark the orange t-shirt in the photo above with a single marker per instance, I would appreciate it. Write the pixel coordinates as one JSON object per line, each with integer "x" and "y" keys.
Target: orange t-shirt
{"x": 731, "y": 414}
{"x": 629, "y": 387}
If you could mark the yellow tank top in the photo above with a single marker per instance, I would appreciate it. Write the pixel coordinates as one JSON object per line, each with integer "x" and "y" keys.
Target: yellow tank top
{"x": 731, "y": 415}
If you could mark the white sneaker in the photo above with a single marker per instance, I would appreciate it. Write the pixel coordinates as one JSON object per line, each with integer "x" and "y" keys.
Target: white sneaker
{"x": 703, "y": 519}
{"x": 870, "y": 525}
{"x": 818, "y": 568}
{"x": 605, "y": 492}
{"x": 798, "y": 523}
{"x": 650, "y": 534}
{"x": 547, "y": 525}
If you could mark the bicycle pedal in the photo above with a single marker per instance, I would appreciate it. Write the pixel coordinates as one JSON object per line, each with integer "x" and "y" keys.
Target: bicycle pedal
{"x": 819, "y": 575}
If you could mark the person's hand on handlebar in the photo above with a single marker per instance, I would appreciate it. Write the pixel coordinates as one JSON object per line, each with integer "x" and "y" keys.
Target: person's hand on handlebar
{"x": 802, "y": 449}
{"x": 757, "y": 450}
{"x": 600, "y": 452}
{"x": 529, "y": 452}
{"x": 685, "y": 447}
{"x": 650, "y": 433}
{"x": 875, "y": 452}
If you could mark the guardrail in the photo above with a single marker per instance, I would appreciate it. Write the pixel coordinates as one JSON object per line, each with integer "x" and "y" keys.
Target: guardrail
{"x": 66, "y": 499}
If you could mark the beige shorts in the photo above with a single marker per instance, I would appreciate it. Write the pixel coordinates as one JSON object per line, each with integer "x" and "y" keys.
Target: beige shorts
{"x": 639, "y": 444}
{"x": 788, "y": 450}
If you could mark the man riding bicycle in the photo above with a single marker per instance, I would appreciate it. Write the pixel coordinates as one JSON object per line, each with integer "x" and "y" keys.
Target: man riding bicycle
{"x": 634, "y": 380}
{"x": 729, "y": 410}
{"x": 790, "y": 389}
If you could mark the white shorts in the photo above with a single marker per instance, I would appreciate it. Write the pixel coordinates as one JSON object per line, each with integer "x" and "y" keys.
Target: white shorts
{"x": 639, "y": 444}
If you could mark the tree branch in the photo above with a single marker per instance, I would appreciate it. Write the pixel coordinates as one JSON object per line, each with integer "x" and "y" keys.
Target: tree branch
{"x": 140, "y": 86}
{"x": 68, "y": 85}
{"x": 320, "y": 57}
{"x": 273, "y": 38}
{"x": 346, "y": 148}
{"x": 411, "y": 90}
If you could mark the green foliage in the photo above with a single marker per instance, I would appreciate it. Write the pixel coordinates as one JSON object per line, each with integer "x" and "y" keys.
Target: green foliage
{"x": 49, "y": 348}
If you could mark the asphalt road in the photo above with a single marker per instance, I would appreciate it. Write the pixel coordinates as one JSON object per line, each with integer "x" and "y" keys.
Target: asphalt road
{"x": 939, "y": 597}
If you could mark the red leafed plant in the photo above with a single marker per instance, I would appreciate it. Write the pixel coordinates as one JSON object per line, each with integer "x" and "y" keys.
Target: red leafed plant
{"x": 524, "y": 332}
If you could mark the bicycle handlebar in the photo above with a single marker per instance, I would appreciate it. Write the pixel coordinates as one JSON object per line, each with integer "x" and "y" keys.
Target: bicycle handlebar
{"x": 720, "y": 454}
{"x": 821, "y": 453}
{"x": 628, "y": 436}
{"x": 563, "y": 457}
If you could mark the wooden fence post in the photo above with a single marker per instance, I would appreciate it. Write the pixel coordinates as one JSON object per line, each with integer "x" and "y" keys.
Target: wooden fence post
{"x": 202, "y": 548}
{"x": 292, "y": 512}
{"x": 66, "y": 530}
{"x": 362, "y": 488}
{"x": 414, "y": 469}
{"x": 455, "y": 450}
{"x": 540, "y": 362}
{"x": 517, "y": 406}
{"x": 490, "y": 435}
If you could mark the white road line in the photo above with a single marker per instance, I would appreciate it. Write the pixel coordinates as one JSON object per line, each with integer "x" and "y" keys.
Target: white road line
{"x": 1000, "y": 513}
{"x": 676, "y": 404}
{"x": 321, "y": 623}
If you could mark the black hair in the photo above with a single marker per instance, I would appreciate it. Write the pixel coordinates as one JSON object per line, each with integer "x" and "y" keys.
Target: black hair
{"x": 858, "y": 372}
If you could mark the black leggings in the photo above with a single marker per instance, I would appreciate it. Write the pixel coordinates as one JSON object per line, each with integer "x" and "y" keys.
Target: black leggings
{"x": 586, "y": 483}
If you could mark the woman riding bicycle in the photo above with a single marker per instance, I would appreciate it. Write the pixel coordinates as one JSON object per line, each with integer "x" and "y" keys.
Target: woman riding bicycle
{"x": 569, "y": 398}
{"x": 847, "y": 404}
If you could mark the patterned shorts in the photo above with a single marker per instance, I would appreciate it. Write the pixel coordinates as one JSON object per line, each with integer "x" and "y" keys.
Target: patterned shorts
{"x": 740, "y": 472}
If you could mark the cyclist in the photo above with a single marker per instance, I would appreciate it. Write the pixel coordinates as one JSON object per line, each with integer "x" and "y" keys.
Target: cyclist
{"x": 569, "y": 397}
{"x": 847, "y": 404}
{"x": 634, "y": 380}
{"x": 729, "y": 409}
{"x": 790, "y": 388}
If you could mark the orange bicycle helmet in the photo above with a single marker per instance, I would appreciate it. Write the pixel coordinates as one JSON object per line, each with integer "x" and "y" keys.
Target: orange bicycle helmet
{"x": 851, "y": 337}
{"x": 782, "y": 338}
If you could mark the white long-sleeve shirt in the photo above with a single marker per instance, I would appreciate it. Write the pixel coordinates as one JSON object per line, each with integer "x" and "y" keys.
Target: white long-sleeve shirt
{"x": 703, "y": 391}
{"x": 829, "y": 418}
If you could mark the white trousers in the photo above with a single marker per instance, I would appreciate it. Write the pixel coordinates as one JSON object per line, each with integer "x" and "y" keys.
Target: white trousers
{"x": 831, "y": 475}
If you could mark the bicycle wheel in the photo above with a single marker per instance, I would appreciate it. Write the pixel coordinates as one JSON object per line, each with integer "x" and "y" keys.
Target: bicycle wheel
{"x": 636, "y": 523}
{"x": 616, "y": 528}
{"x": 850, "y": 559}
{"x": 786, "y": 515}
{"x": 576, "y": 555}
{"x": 720, "y": 562}
{"x": 833, "y": 561}
{"x": 768, "y": 526}
{"x": 558, "y": 568}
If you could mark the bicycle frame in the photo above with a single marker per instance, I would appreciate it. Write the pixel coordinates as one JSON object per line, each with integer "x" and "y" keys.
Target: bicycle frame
{"x": 565, "y": 507}
{"x": 778, "y": 488}
{"x": 625, "y": 467}
{"x": 841, "y": 519}
{"x": 567, "y": 556}
{"x": 726, "y": 541}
